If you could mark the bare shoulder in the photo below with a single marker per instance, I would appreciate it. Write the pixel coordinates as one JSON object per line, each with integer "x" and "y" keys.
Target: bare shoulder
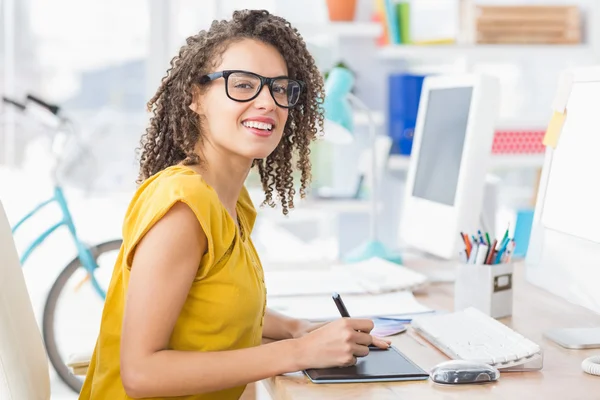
{"x": 180, "y": 217}
{"x": 177, "y": 236}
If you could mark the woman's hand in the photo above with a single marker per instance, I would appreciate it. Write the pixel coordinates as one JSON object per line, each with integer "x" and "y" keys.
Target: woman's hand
{"x": 304, "y": 327}
{"x": 338, "y": 343}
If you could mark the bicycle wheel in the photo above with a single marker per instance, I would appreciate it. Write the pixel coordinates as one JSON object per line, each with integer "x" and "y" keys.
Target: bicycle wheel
{"x": 62, "y": 333}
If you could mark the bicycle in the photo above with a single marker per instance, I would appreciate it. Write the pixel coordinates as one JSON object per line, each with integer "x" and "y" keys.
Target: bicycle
{"x": 87, "y": 256}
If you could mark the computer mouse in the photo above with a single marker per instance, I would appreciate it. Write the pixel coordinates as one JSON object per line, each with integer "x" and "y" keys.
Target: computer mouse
{"x": 462, "y": 371}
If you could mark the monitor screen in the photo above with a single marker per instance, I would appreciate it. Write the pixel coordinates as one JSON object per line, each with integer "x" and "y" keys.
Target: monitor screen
{"x": 442, "y": 143}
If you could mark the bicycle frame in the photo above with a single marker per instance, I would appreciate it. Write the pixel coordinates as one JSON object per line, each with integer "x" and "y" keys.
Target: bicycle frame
{"x": 83, "y": 252}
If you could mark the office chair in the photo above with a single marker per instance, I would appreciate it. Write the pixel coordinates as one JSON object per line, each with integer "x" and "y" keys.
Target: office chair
{"x": 24, "y": 371}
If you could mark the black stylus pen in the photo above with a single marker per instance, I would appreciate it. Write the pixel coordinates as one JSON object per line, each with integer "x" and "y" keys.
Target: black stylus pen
{"x": 339, "y": 303}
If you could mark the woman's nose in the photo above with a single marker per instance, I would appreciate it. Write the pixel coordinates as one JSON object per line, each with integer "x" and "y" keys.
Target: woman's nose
{"x": 264, "y": 100}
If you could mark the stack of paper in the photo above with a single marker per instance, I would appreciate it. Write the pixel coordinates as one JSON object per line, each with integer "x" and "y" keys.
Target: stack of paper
{"x": 367, "y": 277}
{"x": 372, "y": 288}
{"x": 322, "y": 307}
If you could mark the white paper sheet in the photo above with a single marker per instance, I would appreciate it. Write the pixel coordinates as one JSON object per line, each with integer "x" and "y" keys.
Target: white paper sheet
{"x": 312, "y": 282}
{"x": 565, "y": 85}
{"x": 322, "y": 307}
{"x": 371, "y": 276}
{"x": 572, "y": 199}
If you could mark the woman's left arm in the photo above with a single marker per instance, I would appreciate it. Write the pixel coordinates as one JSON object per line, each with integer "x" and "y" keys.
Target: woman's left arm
{"x": 279, "y": 327}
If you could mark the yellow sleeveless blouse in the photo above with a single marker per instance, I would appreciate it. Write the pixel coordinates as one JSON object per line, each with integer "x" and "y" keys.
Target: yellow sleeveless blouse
{"x": 225, "y": 306}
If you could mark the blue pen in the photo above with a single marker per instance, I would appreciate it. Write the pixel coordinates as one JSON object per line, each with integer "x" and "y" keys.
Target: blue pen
{"x": 505, "y": 243}
{"x": 502, "y": 250}
{"x": 481, "y": 239}
{"x": 407, "y": 320}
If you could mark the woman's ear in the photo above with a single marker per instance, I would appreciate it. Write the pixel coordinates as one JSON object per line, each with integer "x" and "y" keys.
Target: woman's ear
{"x": 196, "y": 100}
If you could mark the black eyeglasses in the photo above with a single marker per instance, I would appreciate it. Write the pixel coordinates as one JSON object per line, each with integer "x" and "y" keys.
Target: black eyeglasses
{"x": 245, "y": 86}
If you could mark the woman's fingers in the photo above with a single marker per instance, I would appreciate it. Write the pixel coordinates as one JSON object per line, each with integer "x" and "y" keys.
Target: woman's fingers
{"x": 351, "y": 361}
{"x": 360, "y": 324}
{"x": 381, "y": 343}
{"x": 360, "y": 350}
{"x": 365, "y": 339}
{"x": 362, "y": 338}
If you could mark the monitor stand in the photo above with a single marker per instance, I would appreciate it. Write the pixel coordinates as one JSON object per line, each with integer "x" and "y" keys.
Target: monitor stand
{"x": 575, "y": 338}
{"x": 439, "y": 270}
{"x": 579, "y": 339}
{"x": 489, "y": 206}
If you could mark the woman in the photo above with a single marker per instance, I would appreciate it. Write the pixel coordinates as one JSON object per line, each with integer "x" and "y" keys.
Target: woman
{"x": 186, "y": 312}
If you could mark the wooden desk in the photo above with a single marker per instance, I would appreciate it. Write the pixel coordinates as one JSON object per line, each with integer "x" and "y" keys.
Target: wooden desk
{"x": 535, "y": 311}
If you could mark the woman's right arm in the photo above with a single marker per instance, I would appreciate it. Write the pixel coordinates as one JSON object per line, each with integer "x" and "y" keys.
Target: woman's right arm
{"x": 164, "y": 266}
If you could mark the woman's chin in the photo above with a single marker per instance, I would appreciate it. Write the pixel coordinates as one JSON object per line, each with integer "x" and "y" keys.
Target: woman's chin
{"x": 258, "y": 153}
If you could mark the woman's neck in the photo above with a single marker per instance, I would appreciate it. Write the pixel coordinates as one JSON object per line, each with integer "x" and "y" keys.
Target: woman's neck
{"x": 226, "y": 174}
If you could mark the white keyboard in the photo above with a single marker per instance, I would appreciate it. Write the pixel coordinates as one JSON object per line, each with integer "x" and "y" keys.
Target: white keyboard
{"x": 472, "y": 335}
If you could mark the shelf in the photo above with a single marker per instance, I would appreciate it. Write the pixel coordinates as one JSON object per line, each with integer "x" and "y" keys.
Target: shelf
{"x": 533, "y": 123}
{"x": 399, "y": 162}
{"x": 481, "y": 51}
{"x": 341, "y": 29}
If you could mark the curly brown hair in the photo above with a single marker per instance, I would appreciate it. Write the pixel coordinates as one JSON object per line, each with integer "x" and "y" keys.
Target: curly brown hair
{"x": 174, "y": 128}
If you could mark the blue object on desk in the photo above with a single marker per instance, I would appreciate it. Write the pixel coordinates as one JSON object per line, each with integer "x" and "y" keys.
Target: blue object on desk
{"x": 407, "y": 318}
{"x": 387, "y": 327}
{"x": 523, "y": 231}
{"x": 403, "y": 102}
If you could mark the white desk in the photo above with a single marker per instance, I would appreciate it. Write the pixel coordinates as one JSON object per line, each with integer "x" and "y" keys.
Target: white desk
{"x": 535, "y": 311}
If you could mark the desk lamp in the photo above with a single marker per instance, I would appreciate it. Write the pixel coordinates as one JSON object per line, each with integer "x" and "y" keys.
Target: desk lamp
{"x": 338, "y": 116}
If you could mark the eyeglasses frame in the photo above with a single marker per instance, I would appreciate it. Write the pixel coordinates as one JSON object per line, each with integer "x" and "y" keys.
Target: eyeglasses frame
{"x": 263, "y": 80}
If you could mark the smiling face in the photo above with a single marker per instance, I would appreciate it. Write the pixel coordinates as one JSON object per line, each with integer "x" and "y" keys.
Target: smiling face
{"x": 194, "y": 122}
{"x": 249, "y": 129}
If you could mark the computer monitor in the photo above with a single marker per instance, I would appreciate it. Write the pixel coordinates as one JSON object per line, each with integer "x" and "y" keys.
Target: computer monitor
{"x": 563, "y": 255}
{"x": 449, "y": 163}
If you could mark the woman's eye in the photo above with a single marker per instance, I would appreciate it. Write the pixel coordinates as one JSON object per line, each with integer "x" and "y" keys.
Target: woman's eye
{"x": 243, "y": 85}
{"x": 279, "y": 89}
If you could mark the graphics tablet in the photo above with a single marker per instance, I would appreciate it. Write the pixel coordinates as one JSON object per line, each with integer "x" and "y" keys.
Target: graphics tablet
{"x": 378, "y": 366}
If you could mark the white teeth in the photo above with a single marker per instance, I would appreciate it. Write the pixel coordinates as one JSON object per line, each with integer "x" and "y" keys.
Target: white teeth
{"x": 258, "y": 125}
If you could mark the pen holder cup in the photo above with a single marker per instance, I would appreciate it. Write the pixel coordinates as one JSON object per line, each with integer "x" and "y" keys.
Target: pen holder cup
{"x": 489, "y": 288}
